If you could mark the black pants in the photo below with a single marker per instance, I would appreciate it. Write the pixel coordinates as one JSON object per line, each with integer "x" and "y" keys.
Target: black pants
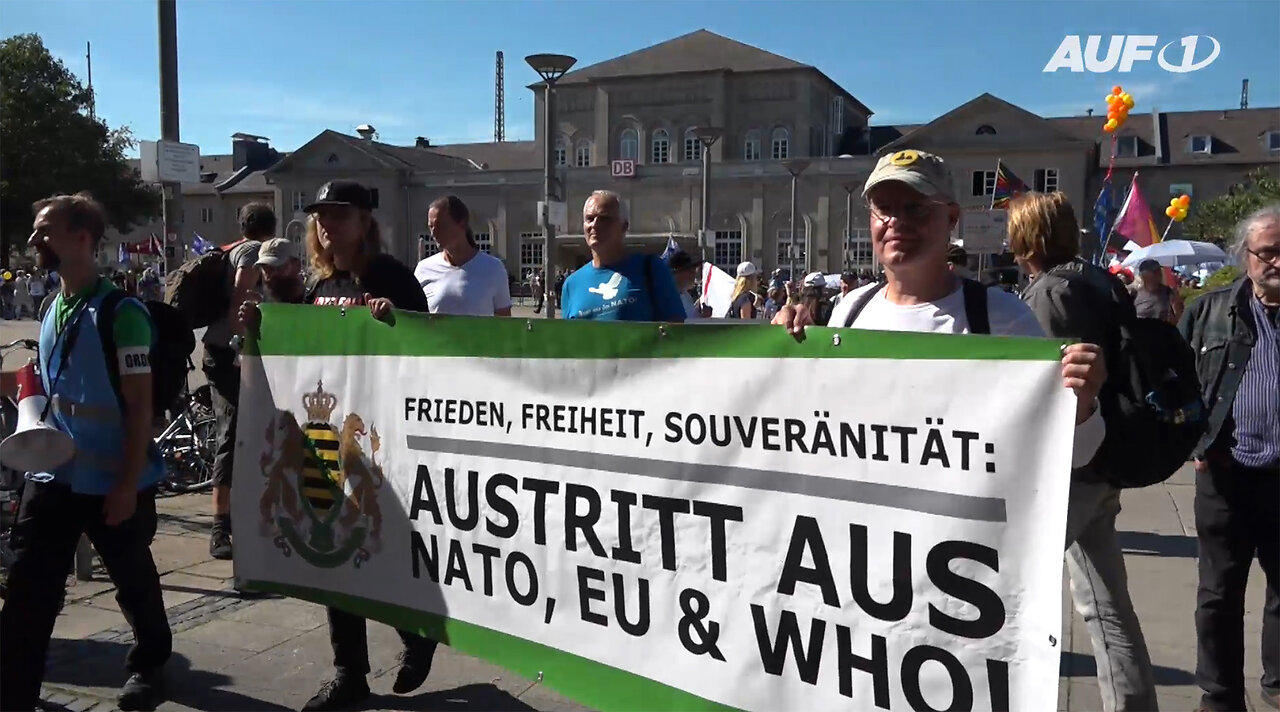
{"x": 349, "y": 638}
{"x": 1237, "y": 517}
{"x": 51, "y": 519}
{"x": 224, "y": 381}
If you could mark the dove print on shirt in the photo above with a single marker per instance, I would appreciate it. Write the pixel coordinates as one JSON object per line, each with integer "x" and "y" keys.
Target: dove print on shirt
{"x": 638, "y": 288}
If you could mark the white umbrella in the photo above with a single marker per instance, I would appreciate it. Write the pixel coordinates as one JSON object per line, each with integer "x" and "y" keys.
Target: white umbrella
{"x": 1172, "y": 253}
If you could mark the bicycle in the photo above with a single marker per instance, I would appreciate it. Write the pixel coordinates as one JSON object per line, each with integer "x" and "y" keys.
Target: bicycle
{"x": 188, "y": 441}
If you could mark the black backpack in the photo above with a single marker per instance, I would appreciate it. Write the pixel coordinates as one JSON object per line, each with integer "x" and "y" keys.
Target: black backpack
{"x": 1151, "y": 401}
{"x": 975, "y": 306}
{"x": 201, "y": 288}
{"x": 174, "y": 342}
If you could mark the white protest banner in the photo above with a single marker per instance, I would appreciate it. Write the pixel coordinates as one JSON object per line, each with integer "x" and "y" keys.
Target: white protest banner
{"x": 717, "y": 289}
{"x": 670, "y": 517}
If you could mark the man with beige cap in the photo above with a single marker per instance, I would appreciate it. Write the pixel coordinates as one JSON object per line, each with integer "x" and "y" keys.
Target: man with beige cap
{"x": 281, "y": 270}
{"x": 911, "y": 200}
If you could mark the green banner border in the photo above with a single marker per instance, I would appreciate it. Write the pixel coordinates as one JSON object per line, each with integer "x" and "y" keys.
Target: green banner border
{"x": 586, "y": 681}
{"x": 304, "y": 330}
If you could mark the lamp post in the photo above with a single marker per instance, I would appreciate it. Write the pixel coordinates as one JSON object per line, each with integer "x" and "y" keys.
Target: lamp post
{"x": 849, "y": 188}
{"x": 707, "y": 136}
{"x": 550, "y": 67}
{"x": 795, "y": 167}
{"x": 171, "y": 208}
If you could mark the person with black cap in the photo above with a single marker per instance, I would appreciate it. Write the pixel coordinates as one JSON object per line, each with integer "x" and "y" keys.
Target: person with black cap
{"x": 345, "y": 244}
{"x": 684, "y": 268}
{"x": 1153, "y": 299}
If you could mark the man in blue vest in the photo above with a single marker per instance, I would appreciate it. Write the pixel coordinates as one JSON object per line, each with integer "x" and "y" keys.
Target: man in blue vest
{"x": 107, "y": 490}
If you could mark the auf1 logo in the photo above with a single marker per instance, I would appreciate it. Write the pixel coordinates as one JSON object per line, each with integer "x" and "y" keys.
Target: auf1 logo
{"x": 1124, "y": 50}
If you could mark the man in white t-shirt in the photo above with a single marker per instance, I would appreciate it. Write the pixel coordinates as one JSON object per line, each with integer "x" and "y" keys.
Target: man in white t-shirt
{"x": 460, "y": 279}
{"x": 913, "y": 209}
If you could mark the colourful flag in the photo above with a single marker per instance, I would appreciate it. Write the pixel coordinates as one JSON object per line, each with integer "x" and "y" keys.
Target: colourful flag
{"x": 1008, "y": 187}
{"x": 1134, "y": 220}
{"x": 672, "y": 248}
{"x": 1102, "y": 214}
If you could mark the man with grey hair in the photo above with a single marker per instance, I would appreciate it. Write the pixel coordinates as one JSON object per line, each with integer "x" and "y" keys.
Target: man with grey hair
{"x": 618, "y": 285}
{"x": 1235, "y": 333}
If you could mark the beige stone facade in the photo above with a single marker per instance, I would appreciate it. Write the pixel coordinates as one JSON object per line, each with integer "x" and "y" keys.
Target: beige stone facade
{"x": 643, "y": 106}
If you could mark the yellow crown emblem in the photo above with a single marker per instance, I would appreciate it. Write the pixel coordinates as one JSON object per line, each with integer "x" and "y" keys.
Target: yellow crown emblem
{"x": 319, "y": 404}
{"x": 904, "y": 158}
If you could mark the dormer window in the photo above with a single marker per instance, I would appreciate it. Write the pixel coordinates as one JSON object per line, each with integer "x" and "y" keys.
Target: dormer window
{"x": 1273, "y": 141}
{"x": 986, "y": 130}
{"x": 1201, "y": 144}
{"x": 1127, "y": 147}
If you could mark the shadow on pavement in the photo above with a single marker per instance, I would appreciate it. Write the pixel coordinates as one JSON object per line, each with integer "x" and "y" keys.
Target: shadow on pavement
{"x": 100, "y": 664}
{"x": 467, "y": 697}
{"x": 1148, "y": 544}
{"x": 1081, "y": 665}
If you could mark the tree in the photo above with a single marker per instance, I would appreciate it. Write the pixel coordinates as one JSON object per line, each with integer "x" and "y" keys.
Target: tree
{"x": 1215, "y": 220}
{"x": 49, "y": 144}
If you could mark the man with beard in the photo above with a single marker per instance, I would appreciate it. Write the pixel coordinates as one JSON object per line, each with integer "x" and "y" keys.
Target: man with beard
{"x": 281, "y": 271}
{"x": 1235, "y": 334}
{"x": 108, "y": 489}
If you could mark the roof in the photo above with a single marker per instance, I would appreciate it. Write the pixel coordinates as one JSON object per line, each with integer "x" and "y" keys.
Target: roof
{"x": 221, "y": 166}
{"x": 507, "y": 155}
{"x": 984, "y": 98}
{"x": 698, "y": 51}
{"x": 882, "y": 136}
{"x": 393, "y": 157}
{"x": 1239, "y": 135}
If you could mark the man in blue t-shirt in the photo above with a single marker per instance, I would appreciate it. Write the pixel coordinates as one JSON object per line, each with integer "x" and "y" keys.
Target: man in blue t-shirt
{"x": 617, "y": 285}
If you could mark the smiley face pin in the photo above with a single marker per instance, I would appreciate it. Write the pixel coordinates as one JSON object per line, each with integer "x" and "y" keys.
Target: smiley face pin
{"x": 904, "y": 158}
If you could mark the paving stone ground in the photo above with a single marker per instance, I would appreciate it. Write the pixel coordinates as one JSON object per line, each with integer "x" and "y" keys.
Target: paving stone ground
{"x": 273, "y": 653}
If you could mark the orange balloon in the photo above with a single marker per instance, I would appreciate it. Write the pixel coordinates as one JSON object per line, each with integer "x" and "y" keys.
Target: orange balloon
{"x": 1113, "y": 114}
{"x": 1117, "y": 90}
{"x": 1110, "y": 125}
{"x": 1184, "y": 200}
{"x": 1171, "y": 212}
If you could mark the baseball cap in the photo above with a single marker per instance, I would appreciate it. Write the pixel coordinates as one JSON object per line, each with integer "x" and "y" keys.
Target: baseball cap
{"x": 815, "y": 279}
{"x": 342, "y": 192}
{"x": 1149, "y": 266}
{"x": 276, "y": 252}
{"x": 747, "y": 269}
{"x": 956, "y": 255}
{"x": 925, "y": 172}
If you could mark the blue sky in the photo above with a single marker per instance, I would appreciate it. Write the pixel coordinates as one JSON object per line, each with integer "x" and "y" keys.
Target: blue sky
{"x": 287, "y": 69}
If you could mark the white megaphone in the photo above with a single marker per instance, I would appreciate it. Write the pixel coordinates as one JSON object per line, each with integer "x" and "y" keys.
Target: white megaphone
{"x": 34, "y": 446}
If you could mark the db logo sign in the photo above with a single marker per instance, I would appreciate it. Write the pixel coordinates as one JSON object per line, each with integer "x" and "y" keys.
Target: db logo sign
{"x": 623, "y": 168}
{"x": 1124, "y": 50}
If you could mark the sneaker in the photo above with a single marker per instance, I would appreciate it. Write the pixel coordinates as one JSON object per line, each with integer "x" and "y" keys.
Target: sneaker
{"x": 141, "y": 692}
{"x": 220, "y": 545}
{"x": 413, "y": 672}
{"x": 341, "y": 692}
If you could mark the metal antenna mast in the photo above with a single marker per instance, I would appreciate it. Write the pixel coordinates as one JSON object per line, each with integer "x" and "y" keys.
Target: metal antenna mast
{"x": 1244, "y": 95}
{"x": 499, "y": 103}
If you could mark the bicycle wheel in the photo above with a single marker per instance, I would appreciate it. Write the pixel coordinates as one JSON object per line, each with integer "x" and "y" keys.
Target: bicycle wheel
{"x": 190, "y": 466}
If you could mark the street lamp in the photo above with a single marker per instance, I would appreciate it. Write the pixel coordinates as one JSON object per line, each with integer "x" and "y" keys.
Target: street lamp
{"x": 550, "y": 67}
{"x": 795, "y": 167}
{"x": 849, "y": 189}
{"x": 707, "y": 136}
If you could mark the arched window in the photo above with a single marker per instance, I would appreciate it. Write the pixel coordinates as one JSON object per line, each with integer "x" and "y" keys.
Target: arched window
{"x": 661, "y": 144}
{"x": 629, "y": 144}
{"x": 562, "y": 151}
{"x": 751, "y": 146}
{"x": 986, "y": 130}
{"x": 780, "y": 144}
{"x": 692, "y": 146}
{"x": 582, "y": 156}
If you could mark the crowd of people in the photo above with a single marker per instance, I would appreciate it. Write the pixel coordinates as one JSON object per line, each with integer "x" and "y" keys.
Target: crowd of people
{"x": 924, "y": 286}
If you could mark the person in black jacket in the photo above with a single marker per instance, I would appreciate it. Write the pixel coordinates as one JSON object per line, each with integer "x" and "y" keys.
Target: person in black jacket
{"x": 350, "y": 268}
{"x": 1074, "y": 299}
{"x": 1235, "y": 334}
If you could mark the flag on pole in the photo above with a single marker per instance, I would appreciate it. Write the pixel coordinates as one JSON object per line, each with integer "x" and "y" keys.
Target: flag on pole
{"x": 1102, "y": 214}
{"x": 1008, "y": 187}
{"x": 123, "y": 255}
{"x": 1134, "y": 220}
{"x": 200, "y": 245}
{"x": 672, "y": 248}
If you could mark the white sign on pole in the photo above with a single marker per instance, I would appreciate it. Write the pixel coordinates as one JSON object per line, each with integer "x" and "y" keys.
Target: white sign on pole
{"x": 169, "y": 162}
{"x": 983, "y": 231}
{"x": 555, "y": 214}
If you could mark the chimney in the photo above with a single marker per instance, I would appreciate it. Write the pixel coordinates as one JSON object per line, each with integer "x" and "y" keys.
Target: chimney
{"x": 1088, "y": 111}
{"x": 366, "y": 132}
{"x": 422, "y": 142}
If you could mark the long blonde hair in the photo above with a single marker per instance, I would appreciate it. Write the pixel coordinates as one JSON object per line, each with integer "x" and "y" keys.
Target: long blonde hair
{"x": 743, "y": 284}
{"x": 322, "y": 257}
